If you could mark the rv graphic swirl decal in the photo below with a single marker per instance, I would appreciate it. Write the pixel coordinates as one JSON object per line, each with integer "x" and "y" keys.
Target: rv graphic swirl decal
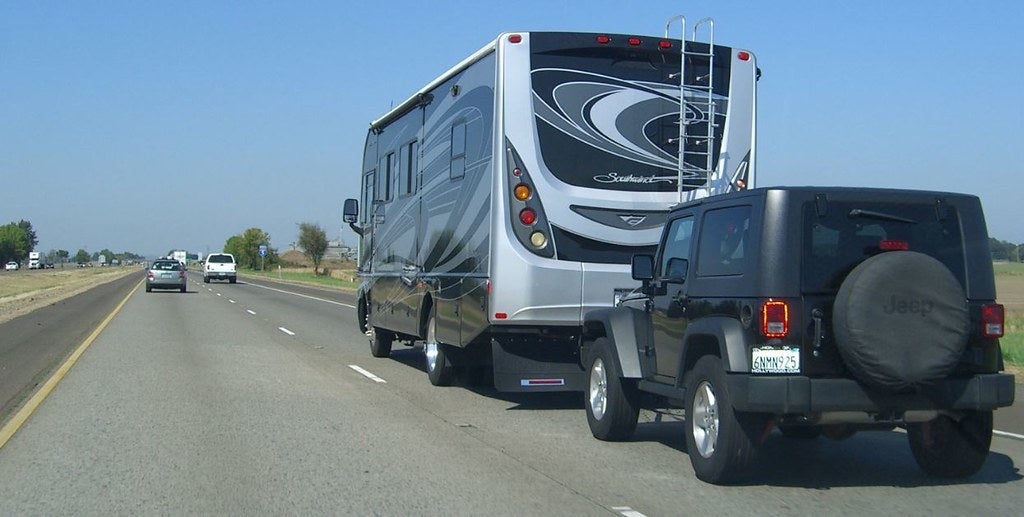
{"x": 633, "y": 120}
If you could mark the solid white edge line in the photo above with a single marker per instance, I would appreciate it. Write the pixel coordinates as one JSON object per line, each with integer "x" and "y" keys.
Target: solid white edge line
{"x": 627, "y": 511}
{"x": 367, "y": 374}
{"x": 250, "y": 312}
{"x": 286, "y": 331}
{"x": 302, "y": 295}
{"x": 1005, "y": 434}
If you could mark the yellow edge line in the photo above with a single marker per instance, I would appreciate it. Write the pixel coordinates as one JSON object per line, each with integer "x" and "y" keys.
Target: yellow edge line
{"x": 33, "y": 403}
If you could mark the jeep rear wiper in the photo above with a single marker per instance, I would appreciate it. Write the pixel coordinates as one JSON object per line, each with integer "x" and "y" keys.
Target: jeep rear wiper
{"x": 870, "y": 214}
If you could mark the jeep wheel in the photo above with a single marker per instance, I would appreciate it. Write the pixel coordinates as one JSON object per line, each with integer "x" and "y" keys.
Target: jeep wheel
{"x": 721, "y": 442}
{"x": 380, "y": 342}
{"x": 440, "y": 369}
{"x": 900, "y": 321}
{"x": 950, "y": 448}
{"x": 612, "y": 402}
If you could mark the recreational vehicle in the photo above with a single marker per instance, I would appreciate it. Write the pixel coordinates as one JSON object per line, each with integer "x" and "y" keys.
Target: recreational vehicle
{"x": 505, "y": 199}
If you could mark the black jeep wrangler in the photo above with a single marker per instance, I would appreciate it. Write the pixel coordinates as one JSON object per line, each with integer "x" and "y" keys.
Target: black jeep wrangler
{"x": 823, "y": 311}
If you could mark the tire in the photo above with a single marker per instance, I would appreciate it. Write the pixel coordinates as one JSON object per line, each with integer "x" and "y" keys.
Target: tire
{"x": 184, "y": 289}
{"x": 612, "y": 402}
{"x": 440, "y": 369}
{"x": 901, "y": 321}
{"x": 380, "y": 342}
{"x": 950, "y": 448}
{"x": 149, "y": 289}
{"x": 721, "y": 442}
{"x": 206, "y": 279}
{"x": 232, "y": 280}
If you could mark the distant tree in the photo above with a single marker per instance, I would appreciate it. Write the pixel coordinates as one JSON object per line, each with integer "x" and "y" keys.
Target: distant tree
{"x": 1002, "y": 250}
{"x": 82, "y": 256}
{"x": 109, "y": 255}
{"x": 235, "y": 246}
{"x": 95, "y": 256}
{"x": 313, "y": 240}
{"x": 30, "y": 236}
{"x": 63, "y": 255}
{"x": 252, "y": 238}
{"x": 12, "y": 243}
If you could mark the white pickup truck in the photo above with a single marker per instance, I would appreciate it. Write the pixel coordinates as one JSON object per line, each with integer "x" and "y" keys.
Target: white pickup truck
{"x": 219, "y": 266}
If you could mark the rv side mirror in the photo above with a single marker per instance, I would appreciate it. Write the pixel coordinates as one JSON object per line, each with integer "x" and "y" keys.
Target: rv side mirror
{"x": 350, "y": 213}
{"x": 675, "y": 270}
{"x": 643, "y": 267}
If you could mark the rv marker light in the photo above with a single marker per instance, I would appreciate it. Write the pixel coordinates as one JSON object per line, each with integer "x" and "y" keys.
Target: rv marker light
{"x": 664, "y": 44}
{"x": 538, "y": 239}
{"x": 634, "y": 41}
{"x": 515, "y": 38}
{"x": 744, "y": 56}
{"x": 603, "y": 39}
{"x": 527, "y": 216}
{"x": 517, "y": 172}
{"x": 500, "y": 315}
{"x": 522, "y": 192}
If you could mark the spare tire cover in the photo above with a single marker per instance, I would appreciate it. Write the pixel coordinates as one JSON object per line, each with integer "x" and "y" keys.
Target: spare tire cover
{"x": 900, "y": 321}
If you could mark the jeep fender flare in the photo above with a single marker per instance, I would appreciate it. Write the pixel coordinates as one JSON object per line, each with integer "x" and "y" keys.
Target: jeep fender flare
{"x": 726, "y": 336}
{"x": 626, "y": 330}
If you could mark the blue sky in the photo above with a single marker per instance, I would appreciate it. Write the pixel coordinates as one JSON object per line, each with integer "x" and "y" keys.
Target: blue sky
{"x": 146, "y": 126}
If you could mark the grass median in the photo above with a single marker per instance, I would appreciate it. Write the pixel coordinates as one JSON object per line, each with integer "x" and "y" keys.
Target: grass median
{"x": 302, "y": 277}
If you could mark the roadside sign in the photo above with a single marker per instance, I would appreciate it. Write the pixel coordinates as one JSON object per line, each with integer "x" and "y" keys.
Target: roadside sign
{"x": 263, "y": 250}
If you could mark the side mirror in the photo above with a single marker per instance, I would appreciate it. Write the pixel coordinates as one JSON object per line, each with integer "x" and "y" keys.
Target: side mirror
{"x": 675, "y": 270}
{"x": 643, "y": 267}
{"x": 350, "y": 213}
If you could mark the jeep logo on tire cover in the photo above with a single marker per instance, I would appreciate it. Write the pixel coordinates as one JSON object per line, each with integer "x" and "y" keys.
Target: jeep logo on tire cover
{"x": 901, "y": 306}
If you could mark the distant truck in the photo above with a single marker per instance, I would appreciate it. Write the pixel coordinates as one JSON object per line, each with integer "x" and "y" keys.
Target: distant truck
{"x": 180, "y": 256}
{"x": 33, "y": 260}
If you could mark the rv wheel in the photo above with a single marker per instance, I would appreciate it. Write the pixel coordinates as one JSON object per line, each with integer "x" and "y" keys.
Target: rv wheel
{"x": 380, "y": 342}
{"x": 440, "y": 370}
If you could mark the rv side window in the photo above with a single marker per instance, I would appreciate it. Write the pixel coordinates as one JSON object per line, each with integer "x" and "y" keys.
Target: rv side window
{"x": 407, "y": 177}
{"x": 367, "y": 196}
{"x": 458, "y": 150}
{"x": 389, "y": 176}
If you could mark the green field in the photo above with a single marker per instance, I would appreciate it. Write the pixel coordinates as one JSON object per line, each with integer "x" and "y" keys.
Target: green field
{"x": 1009, "y": 268}
{"x": 304, "y": 278}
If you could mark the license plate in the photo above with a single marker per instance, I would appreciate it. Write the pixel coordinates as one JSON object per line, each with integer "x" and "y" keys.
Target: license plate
{"x": 775, "y": 359}
{"x": 166, "y": 275}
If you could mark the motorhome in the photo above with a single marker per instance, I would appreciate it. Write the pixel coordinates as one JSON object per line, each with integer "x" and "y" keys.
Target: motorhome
{"x": 505, "y": 199}
{"x": 34, "y": 260}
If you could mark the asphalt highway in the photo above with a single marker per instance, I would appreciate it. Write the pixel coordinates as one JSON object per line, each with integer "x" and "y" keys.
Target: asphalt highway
{"x": 263, "y": 398}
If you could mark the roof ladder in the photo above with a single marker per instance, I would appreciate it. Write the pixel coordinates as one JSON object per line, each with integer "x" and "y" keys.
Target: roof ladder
{"x": 696, "y": 93}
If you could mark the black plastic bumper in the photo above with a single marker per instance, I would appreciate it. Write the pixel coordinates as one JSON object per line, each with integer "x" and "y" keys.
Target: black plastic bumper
{"x": 798, "y": 394}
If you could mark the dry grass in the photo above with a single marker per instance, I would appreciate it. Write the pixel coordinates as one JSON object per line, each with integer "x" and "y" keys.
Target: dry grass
{"x": 25, "y": 292}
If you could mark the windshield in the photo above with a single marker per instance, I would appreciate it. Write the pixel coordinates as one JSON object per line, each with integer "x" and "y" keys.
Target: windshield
{"x": 220, "y": 259}
{"x": 607, "y": 116}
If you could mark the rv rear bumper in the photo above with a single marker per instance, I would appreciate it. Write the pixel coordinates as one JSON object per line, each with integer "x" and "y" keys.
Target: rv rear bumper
{"x": 799, "y": 395}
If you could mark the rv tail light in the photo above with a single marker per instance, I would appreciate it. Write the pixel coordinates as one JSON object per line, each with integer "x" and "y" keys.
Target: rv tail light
{"x": 992, "y": 316}
{"x": 515, "y": 38}
{"x": 634, "y": 41}
{"x": 664, "y": 44}
{"x": 527, "y": 216}
{"x": 744, "y": 56}
{"x": 522, "y": 192}
{"x": 500, "y": 316}
{"x": 775, "y": 319}
{"x": 602, "y": 39}
{"x": 892, "y": 245}
{"x": 538, "y": 239}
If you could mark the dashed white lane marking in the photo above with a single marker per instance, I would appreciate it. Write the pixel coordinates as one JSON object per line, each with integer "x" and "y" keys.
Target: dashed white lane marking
{"x": 230, "y": 300}
{"x": 286, "y": 331}
{"x": 250, "y": 312}
{"x": 302, "y": 295}
{"x": 218, "y": 294}
{"x": 208, "y": 289}
{"x": 1015, "y": 436}
{"x": 367, "y": 374}
{"x": 627, "y": 511}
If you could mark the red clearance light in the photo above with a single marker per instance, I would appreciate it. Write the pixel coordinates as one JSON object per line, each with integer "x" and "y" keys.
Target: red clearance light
{"x": 515, "y": 38}
{"x": 992, "y": 316}
{"x": 634, "y": 41}
{"x": 527, "y": 216}
{"x": 744, "y": 56}
{"x": 602, "y": 39}
{"x": 892, "y": 245}
{"x": 500, "y": 316}
{"x": 517, "y": 172}
{"x": 664, "y": 44}
{"x": 775, "y": 319}
{"x": 488, "y": 287}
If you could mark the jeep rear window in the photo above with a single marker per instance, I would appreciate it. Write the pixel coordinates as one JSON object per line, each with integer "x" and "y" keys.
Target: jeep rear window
{"x": 851, "y": 232}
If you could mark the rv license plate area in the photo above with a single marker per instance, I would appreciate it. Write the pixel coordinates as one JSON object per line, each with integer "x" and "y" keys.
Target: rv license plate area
{"x": 775, "y": 359}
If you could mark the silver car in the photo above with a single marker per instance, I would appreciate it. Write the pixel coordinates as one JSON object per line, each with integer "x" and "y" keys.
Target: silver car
{"x": 165, "y": 274}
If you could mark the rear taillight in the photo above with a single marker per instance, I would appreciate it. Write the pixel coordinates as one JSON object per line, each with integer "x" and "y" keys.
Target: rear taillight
{"x": 775, "y": 319}
{"x": 149, "y": 275}
{"x": 181, "y": 274}
{"x": 992, "y": 315}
